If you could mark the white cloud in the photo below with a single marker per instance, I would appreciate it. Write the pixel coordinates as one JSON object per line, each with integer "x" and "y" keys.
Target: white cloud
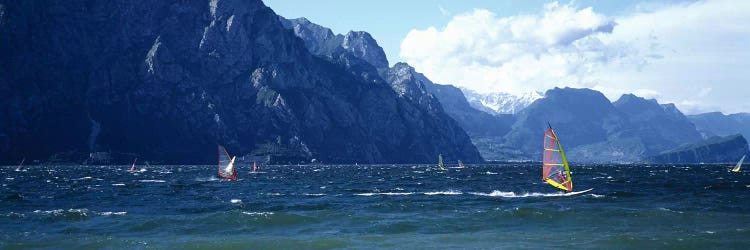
{"x": 693, "y": 54}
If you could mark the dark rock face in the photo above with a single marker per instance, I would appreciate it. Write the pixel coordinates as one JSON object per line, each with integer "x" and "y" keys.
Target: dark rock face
{"x": 363, "y": 46}
{"x": 168, "y": 80}
{"x": 728, "y": 149}
{"x": 322, "y": 42}
{"x": 318, "y": 39}
{"x": 718, "y": 124}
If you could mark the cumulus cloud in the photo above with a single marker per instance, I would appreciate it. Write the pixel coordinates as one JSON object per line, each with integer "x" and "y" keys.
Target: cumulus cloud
{"x": 673, "y": 53}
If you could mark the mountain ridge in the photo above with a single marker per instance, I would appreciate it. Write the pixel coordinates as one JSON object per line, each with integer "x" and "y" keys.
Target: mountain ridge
{"x": 171, "y": 79}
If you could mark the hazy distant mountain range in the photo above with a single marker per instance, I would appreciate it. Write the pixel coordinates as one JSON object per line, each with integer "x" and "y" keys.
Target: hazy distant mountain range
{"x": 168, "y": 80}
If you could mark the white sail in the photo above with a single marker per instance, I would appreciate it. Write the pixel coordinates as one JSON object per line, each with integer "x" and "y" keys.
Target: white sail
{"x": 226, "y": 164}
{"x": 739, "y": 164}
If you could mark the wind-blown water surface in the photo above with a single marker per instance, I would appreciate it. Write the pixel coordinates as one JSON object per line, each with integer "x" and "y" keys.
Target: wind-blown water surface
{"x": 405, "y": 206}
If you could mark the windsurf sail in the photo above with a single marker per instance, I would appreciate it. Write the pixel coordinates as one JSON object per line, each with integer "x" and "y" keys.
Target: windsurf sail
{"x": 226, "y": 165}
{"x": 20, "y": 165}
{"x": 255, "y": 167}
{"x": 440, "y": 162}
{"x": 132, "y": 167}
{"x": 461, "y": 164}
{"x": 555, "y": 169}
{"x": 739, "y": 164}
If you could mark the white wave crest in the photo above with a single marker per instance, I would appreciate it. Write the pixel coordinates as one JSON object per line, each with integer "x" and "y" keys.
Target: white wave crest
{"x": 317, "y": 194}
{"x": 235, "y": 201}
{"x": 385, "y": 193}
{"x": 111, "y": 213}
{"x": 157, "y": 181}
{"x": 258, "y": 213}
{"x": 496, "y": 193}
{"x": 449, "y": 192}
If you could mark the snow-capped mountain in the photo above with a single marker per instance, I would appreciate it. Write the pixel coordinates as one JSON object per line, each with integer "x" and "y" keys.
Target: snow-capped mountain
{"x": 500, "y": 102}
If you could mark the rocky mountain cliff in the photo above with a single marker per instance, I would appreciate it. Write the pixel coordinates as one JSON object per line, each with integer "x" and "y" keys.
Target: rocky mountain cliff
{"x": 360, "y": 54}
{"x": 728, "y": 149}
{"x": 322, "y": 42}
{"x": 168, "y": 80}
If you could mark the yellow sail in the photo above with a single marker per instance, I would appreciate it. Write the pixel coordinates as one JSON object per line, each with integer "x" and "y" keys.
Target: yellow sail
{"x": 440, "y": 162}
{"x": 555, "y": 169}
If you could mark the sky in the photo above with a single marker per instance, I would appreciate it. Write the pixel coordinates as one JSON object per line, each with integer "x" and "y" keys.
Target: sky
{"x": 688, "y": 52}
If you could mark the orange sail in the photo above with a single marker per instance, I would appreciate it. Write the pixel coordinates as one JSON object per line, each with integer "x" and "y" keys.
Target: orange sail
{"x": 555, "y": 169}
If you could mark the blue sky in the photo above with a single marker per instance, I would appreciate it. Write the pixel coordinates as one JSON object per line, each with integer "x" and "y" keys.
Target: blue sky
{"x": 389, "y": 21}
{"x": 692, "y": 53}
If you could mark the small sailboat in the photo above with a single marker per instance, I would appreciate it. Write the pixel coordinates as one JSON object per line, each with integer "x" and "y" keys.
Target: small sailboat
{"x": 440, "y": 162}
{"x": 555, "y": 169}
{"x": 226, "y": 165}
{"x": 736, "y": 169}
{"x": 461, "y": 164}
{"x": 255, "y": 167}
{"x": 132, "y": 167}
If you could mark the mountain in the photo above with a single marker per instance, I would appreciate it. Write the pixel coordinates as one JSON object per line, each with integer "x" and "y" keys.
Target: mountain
{"x": 355, "y": 53}
{"x": 500, "y": 103}
{"x": 593, "y": 129}
{"x": 479, "y": 125}
{"x": 661, "y": 127}
{"x": 718, "y": 124}
{"x": 452, "y": 100}
{"x": 579, "y": 116}
{"x": 168, "y": 80}
{"x": 322, "y": 42}
{"x": 716, "y": 149}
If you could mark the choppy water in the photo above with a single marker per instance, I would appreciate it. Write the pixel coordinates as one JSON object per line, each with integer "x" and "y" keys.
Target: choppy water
{"x": 320, "y": 207}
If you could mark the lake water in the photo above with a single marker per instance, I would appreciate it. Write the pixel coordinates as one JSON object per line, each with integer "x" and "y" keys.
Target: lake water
{"x": 375, "y": 206}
